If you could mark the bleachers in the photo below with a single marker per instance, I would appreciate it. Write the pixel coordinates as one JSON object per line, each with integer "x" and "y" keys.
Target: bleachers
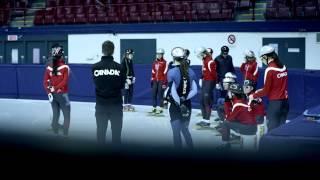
{"x": 293, "y": 9}
{"x": 133, "y": 11}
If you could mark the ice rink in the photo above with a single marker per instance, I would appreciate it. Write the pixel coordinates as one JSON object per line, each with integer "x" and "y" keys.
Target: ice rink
{"x": 34, "y": 117}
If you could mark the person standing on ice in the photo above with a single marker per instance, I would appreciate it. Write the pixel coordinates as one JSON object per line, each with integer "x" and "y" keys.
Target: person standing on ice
{"x": 109, "y": 80}
{"x": 182, "y": 87}
{"x": 55, "y": 83}
{"x": 127, "y": 65}
{"x": 158, "y": 82}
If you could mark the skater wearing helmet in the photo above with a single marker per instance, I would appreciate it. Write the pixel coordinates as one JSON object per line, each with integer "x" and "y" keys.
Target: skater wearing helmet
{"x": 249, "y": 68}
{"x": 158, "y": 82}
{"x": 275, "y": 88}
{"x": 207, "y": 84}
{"x": 182, "y": 87}
{"x": 56, "y": 79}
{"x": 127, "y": 65}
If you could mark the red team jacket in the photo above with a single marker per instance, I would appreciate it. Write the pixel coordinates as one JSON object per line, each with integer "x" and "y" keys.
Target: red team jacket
{"x": 60, "y": 81}
{"x": 209, "y": 69}
{"x": 258, "y": 108}
{"x": 250, "y": 70}
{"x": 275, "y": 83}
{"x": 240, "y": 113}
{"x": 159, "y": 70}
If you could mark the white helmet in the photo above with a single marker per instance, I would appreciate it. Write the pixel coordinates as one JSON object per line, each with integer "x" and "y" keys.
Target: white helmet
{"x": 160, "y": 51}
{"x": 266, "y": 50}
{"x": 200, "y": 52}
{"x": 228, "y": 80}
{"x": 210, "y": 50}
{"x": 249, "y": 53}
{"x": 178, "y": 52}
{"x": 230, "y": 75}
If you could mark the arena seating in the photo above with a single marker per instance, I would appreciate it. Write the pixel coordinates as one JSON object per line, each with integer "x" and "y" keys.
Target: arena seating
{"x": 134, "y": 11}
{"x": 293, "y": 9}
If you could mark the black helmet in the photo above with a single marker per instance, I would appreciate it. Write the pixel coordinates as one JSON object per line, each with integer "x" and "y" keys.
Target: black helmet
{"x": 236, "y": 88}
{"x": 248, "y": 83}
{"x": 224, "y": 50}
{"x": 57, "y": 50}
{"x": 129, "y": 51}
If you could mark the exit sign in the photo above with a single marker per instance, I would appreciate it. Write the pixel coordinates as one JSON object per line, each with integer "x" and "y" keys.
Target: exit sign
{"x": 12, "y": 37}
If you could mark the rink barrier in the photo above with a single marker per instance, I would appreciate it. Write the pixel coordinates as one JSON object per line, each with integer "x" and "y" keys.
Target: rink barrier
{"x": 25, "y": 82}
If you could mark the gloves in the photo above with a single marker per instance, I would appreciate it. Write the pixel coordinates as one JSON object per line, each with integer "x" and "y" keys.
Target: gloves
{"x": 182, "y": 99}
{"x": 218, "y": 86}
{"x": 51, "y": 88}
{"x": 50, "y": 97}
{"x": 200, "y": 83}
{"x": 133, "y": 80}
{"x": 128, "y": 81}
{"x": 185, "y": 112}
{"x": 126, "y": 86}
{"x": 164, "y": 86}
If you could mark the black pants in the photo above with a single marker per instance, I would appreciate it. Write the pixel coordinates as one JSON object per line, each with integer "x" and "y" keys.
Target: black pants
{"x": 128, "y": 94}
{"x": 157, "y": 93}
{"x": 104, "y": 114}
{"x": 60, "y": 102}
{"x": 244, "y": 129}
{"x": 206, "y": 99}
{"x": 277, "y": 113}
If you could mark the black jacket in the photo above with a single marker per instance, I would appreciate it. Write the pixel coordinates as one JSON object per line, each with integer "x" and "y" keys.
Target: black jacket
{"x": 109, "y": 80}
{"x": 224, "y": 65}
{"x": 127, "y": 66}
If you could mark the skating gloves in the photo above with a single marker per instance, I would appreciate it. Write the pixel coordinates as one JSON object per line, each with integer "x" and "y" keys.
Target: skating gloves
{"x": 128, "y": 81}
{"x": 185, "y": 112}
{"x": 218, "y": 86}
{"x": 50, "y": 97}
{"x": 51, "y": 88}
{"x": 200, "y": 83}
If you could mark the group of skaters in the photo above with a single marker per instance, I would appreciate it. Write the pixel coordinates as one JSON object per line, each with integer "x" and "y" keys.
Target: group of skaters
{"x": 174, "y": 84}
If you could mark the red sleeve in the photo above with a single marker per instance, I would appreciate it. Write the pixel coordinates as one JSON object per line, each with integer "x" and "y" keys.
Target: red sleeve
{"x": 213, "y": 68}
{"x": 153, "y": 72}
{"x": 166, "y": 68}
{"x": 234, "y": 114}
{"x": 45, "y": 81}
{"x": 255, "y": 72}
{"x": 65, "y": 79}
{"x": 266, "y": 88}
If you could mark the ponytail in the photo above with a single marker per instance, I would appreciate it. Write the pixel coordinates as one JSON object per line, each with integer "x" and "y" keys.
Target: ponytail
{"x": 276, "y": 60}
{"x": 184, "y": 69}
{"x": 55, "y": 65}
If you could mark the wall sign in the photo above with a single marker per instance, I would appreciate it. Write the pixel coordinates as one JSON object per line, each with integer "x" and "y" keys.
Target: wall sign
{"x": 231, "y": 39}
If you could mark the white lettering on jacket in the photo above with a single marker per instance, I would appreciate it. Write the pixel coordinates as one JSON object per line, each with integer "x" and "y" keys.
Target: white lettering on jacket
{"x": 283, "y": 74}
{"x": 106, "y": 72}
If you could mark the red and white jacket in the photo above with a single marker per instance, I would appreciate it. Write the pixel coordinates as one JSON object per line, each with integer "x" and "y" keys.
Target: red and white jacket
{"x": 275, "y": 83}
{"x": 60, "y": 81}
{"x": 159, "y": 70}
{"x": 257, "y": 107}
{"x": 241, "y": 113}
{"x": 209, "y": 69}
{"x": 250, "y": 70}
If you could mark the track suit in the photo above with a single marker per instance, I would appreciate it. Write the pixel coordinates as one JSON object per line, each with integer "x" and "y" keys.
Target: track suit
{"x": 60, "y": 94}
{"x": 209, "y": 79}
{"x": 276, "y": 89}
{"x": 240, "y": 119}
{"x": 128, "y": 69}
{"x": 109, "y": 79}
{"x": 158, "y": 81}
{"x": 249, "y": 71}
{"x": 181, "y": 87}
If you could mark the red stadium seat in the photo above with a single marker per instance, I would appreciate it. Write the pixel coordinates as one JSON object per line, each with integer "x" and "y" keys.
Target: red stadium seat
{"x": 167, "y": 16}
{"x": 284, "y": 13}
{"x": 146, "y": 17}
{"x": 310, "y": 12}
{"x": 157, "y": 15}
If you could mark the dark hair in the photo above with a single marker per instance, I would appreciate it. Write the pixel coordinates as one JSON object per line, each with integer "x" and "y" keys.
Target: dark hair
{"x": 55, "y": 65}
{"x": 184, "y": 68}
{"x": 108, "y": 48}
{"x": 276, "y": 59}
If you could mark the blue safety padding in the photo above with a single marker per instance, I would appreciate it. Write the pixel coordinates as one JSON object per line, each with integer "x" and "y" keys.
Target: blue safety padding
{"x": 25, "y": 81}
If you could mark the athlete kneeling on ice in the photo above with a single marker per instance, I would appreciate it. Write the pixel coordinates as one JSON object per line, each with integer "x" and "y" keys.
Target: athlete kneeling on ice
{"x": 241, "y": 119}
{"x": 182, "y": 87}
{"x": 256, "y": 104}
{"x": 55, "y": 83}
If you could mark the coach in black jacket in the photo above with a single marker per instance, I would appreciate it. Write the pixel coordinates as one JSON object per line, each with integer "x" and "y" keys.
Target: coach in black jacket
{"x": 109, "y": 80}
